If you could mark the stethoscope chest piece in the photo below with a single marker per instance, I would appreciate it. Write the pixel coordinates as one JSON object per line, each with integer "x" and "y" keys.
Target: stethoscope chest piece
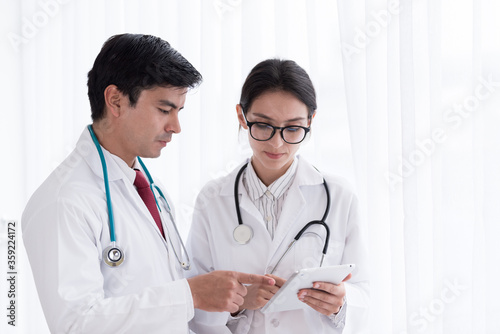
{"x": 242, "y": 234}
{"x": 113, "y": 256}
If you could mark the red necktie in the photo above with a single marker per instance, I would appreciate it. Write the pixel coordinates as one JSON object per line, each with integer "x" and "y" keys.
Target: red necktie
{"x": 147, "y": 196}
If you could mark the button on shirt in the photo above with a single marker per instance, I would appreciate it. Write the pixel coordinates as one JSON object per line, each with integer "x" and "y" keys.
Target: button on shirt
{"x": 269, "y": 200}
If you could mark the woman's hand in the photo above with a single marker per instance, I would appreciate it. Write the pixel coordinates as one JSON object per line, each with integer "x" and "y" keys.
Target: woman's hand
{"x": 259, "y": 294}
{"x": 326, "y": 298}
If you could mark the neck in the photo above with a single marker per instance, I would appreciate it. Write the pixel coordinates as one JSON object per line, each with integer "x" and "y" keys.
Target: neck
{"x": 109, "y": 139}
{"x": 268, "y": 176}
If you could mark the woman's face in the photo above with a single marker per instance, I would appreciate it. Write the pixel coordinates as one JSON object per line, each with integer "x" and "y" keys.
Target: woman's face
{"x": 272, "y": 158}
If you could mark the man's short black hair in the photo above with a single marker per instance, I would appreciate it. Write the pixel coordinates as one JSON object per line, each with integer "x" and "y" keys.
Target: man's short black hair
{"x": 134, "y": 63}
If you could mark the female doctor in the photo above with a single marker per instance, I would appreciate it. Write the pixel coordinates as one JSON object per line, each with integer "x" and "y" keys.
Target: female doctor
{"x": 246, "y": 220}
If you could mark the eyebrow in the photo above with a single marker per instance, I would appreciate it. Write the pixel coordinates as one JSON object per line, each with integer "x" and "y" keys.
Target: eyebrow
{"x": 288, "y": 120}
{"x": 170, "y": 104}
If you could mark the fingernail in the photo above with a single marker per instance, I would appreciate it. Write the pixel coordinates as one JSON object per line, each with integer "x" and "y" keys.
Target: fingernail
{"x": 316, "y": 285}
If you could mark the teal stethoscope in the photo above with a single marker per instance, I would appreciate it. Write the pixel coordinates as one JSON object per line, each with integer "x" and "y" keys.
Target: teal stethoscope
{"x": 112, "y": 255}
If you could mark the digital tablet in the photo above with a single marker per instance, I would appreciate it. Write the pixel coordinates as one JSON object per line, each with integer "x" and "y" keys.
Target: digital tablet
{"x": 286, "y": 298}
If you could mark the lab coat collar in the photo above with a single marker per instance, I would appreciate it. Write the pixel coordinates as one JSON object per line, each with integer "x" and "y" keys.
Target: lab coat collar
{"x": 87, "y": 150}
{"x": 305, "y": 175}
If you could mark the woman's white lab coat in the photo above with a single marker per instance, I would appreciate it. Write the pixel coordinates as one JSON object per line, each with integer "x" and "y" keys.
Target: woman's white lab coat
{"x": 65, "y": 229}
{"x": 212, "y": 247}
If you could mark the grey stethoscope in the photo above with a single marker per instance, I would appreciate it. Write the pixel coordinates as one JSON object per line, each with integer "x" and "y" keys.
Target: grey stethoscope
{"x": 112, "y": 255}
{"x": 242, "y": 234}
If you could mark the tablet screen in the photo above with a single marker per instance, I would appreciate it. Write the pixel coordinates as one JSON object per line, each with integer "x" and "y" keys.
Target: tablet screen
{"x": 286, "y": 297}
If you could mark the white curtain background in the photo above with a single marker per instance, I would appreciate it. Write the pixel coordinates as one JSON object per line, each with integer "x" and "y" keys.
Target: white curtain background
{"x": 409, "y": 99}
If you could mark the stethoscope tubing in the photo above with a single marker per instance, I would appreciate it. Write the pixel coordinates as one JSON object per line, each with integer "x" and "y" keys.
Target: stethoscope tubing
{"x": 299, "y": 234}
{"x": 107, "y": 258}
{"x": 236, "y": 196}
{"x": 111, "y": 220}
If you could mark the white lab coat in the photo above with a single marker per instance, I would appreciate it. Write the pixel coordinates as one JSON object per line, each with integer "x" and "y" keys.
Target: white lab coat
{"x": 65, "y": 229}
{"x": 212, "y": 247}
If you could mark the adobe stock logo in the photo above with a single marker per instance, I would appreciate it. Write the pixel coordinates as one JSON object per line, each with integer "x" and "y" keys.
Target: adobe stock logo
{"x": 222, "y": 6}
{"x": 453, "y": 118}
{"x": 373, "y": 28}
{"x": 31, "y": 26}
{"x": 426, "y": 315}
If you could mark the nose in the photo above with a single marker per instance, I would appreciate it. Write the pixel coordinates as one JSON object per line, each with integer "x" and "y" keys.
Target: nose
{"x": 173, "y": 124}
{"x": 276, "y": 141}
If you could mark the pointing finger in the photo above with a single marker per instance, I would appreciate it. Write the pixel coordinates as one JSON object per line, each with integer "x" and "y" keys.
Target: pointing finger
{"x": 254, "y": 279}
{"x": 279, "y": 281}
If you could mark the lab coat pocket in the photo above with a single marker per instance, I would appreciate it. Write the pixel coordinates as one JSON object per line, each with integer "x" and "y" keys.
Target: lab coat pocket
{"x": 335, "y": 252}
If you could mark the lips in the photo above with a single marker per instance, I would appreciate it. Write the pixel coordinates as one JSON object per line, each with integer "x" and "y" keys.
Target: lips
{"x": 164, "y": 142}
{"x": 274, "y": 155}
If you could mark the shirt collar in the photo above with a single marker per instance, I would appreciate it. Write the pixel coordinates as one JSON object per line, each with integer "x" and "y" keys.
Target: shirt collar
{"x": 129, "y": 172}
{"x": 256, "y": 189}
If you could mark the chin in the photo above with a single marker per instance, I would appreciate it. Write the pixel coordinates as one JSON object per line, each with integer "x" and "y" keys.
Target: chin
{"x": 151, "y": 155}
{"x": 275, "y": 164}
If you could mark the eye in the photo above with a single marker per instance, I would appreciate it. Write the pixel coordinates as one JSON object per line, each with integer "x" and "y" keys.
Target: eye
{"x": 292, "y": 129}
{"x": 164, "y": 111}
{"x": 263, "y": 126}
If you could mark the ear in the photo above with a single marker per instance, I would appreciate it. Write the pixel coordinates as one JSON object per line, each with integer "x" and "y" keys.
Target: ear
{"x": 241, "y": 118}
{"x": 113, "y": 99}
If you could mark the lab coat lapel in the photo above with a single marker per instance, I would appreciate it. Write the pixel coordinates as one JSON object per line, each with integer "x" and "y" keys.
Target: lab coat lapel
{"x": 292, "y": 208}
{"x": 257, "y": 222}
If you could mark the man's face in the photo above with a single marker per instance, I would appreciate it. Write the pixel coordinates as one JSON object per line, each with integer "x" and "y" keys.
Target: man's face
{"x": 147, "y": 127}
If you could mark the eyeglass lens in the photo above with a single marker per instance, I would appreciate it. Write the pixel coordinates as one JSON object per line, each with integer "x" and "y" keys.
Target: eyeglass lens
{"x": 291, "y": 134}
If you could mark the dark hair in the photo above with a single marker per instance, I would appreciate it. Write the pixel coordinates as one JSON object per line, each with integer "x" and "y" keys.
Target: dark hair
{"x": 278, "y": 75}
{"x": 134, "y": 63}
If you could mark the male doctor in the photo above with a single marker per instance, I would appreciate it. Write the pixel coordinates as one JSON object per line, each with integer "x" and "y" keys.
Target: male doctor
{"x": 137, "y": 87}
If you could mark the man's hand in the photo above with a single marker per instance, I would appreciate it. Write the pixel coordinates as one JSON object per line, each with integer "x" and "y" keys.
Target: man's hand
{"x": 326, "y": 298}
{"x": 220, "y": 291}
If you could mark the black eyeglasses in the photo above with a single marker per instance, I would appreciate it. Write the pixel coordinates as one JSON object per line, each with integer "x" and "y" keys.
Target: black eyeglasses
{"x": 293, "y": 134}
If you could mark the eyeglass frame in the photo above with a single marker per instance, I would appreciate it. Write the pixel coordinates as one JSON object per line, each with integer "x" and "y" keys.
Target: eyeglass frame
{"x": 250, "y": 124}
